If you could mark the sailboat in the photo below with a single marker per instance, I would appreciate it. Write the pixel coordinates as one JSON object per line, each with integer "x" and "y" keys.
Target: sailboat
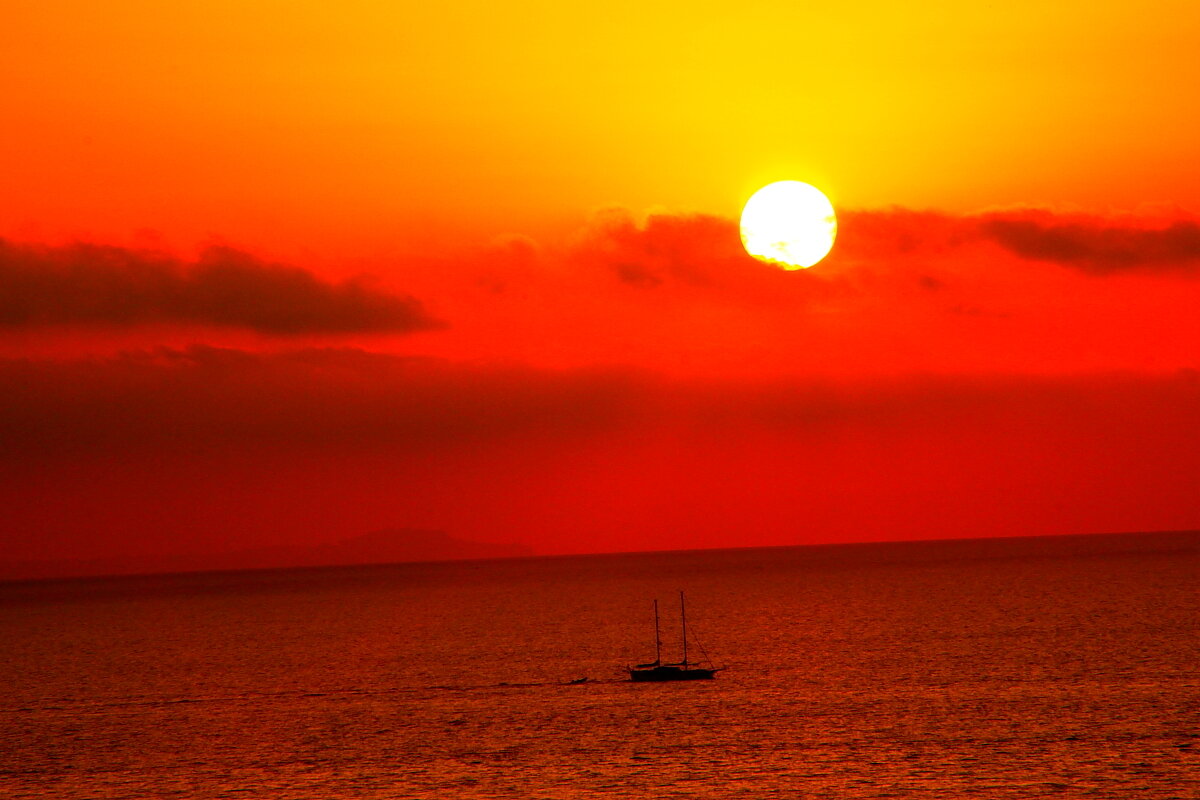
{"x": 680, "y": 671}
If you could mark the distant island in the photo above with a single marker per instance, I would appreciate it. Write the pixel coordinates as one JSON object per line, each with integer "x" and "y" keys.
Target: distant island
{"x": 378, "y": 547}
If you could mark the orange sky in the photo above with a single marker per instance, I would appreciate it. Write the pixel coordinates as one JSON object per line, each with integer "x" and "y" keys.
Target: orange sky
{"x": 366, "y": 128}
{"x": 286, "y": 273}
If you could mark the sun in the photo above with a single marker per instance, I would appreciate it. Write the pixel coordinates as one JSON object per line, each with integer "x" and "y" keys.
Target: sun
{"x": 789, "y": 224}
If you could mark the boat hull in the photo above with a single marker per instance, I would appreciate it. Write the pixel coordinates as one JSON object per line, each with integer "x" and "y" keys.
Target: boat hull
{"x": 660, "y": 674}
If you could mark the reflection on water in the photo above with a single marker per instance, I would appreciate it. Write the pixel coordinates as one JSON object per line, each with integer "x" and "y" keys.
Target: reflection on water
{"x": 1000, "y": 669}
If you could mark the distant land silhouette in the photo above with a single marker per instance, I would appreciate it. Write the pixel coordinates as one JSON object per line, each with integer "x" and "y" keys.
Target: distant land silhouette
{"x": 379, "y": 547}
{"x": 400, "y": 545}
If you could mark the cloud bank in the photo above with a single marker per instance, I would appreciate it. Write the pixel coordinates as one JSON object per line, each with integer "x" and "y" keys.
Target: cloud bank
{"x": 320, "y": 397}
{"x": 194, "y": 448}
{"x": 1094, "y": 244}
{"x": 308, "y": 398}
{"x": 703, "y": 251}
{"x": 88, "y": 284}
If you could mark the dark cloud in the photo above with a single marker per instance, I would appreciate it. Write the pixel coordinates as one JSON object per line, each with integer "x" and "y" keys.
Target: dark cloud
{"x": 85, "y": 284}
{"x": 330, "y": 397}
{"x": 1092, "y": 243}
{"x": 192, "y": 449}
{"x": 308, "y": 398}
{"x": 1095, "y": 244}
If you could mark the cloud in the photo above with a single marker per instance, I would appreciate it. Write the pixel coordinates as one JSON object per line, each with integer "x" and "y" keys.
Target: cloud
{"x": 692, "y": 249}
{"x": 160, "y": 448}
{"x": 321, "y": 397}
{"x": 700, "y": 249}
{"x": 87, "y": 284}
{"x": 902, "y": 291}
{"x": 1094, "y": 244}
{"x": 896, "y": 232}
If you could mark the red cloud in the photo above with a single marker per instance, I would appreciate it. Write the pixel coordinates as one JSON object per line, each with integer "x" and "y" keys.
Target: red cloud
{"x": 694, "y": 249}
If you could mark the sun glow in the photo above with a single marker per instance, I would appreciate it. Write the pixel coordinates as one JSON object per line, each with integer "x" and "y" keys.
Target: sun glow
{"x": 789, "y": 224}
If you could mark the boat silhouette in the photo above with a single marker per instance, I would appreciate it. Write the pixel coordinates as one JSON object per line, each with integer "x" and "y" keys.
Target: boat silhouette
{"x": 682, "y": 670}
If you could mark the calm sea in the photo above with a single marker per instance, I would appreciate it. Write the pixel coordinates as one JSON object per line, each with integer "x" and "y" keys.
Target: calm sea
{"x": 978, "y": 669}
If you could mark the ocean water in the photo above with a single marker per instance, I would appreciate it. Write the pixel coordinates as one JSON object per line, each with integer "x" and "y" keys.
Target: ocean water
{"x": 984, "y": 669}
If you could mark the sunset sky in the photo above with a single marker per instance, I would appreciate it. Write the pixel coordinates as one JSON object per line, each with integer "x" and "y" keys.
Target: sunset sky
{"x": 282, "y": 273}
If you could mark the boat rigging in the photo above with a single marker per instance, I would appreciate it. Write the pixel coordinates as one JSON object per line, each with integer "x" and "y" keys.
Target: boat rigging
{"x": 683, "y": 670}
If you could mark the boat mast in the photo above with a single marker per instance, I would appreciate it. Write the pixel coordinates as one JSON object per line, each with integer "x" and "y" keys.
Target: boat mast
{"x": 657, "y": 638}
{"x": 683, "y": 617}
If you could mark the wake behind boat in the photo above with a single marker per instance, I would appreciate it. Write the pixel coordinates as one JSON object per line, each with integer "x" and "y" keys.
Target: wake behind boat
{"x": 682, "y": 670}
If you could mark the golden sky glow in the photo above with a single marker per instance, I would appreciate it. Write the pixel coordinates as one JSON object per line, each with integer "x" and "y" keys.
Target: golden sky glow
{"x": 368, "y": 127}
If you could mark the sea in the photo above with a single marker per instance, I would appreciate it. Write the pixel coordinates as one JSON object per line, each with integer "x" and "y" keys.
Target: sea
{"x": 1059, "y": 667}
